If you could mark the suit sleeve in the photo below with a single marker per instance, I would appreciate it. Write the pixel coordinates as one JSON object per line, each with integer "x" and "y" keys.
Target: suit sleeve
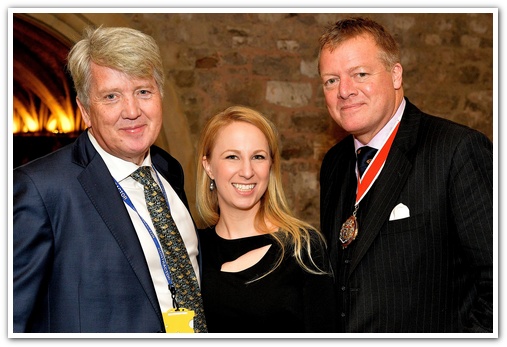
{"x": 471, "y": 194}
{"x": 32, "y": 249}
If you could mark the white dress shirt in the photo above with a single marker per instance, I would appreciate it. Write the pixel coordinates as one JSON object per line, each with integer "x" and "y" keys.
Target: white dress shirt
{"x": 121, "y": 170}
{"x": 381, "y": 137}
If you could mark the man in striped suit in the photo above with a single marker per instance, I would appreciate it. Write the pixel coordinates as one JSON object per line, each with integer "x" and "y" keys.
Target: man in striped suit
{"x": 411, "y": 238}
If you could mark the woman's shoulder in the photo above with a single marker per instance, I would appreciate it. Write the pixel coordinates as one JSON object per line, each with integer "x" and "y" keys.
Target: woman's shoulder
{"x": 206, "y": 232}
{"x": 207, "y": 236}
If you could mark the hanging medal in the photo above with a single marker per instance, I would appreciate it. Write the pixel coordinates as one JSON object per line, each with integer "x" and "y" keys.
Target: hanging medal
{"x": 350, "y": 229}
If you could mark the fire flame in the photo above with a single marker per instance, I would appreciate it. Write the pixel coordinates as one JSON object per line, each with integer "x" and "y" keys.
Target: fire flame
{"x": 43, "y": 112}
{"x": 45, "y": 118}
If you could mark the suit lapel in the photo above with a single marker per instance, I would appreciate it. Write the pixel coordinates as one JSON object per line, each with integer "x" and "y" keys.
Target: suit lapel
{"x": 337, "y": 201}
{"x": 347, "y": 196}
{"x": 102, "y": 192}
{"x": 167, "y": 170}
{"x": 376, "y": 209}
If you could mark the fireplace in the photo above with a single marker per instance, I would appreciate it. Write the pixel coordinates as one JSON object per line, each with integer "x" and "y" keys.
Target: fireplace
{"x": 45, "y": 115}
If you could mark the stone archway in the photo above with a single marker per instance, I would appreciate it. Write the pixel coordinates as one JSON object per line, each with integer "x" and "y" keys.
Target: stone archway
{"x": 175, "y": 134}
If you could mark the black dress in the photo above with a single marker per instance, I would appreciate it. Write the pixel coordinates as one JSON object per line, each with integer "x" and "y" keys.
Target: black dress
{"x": 287, "y": 300}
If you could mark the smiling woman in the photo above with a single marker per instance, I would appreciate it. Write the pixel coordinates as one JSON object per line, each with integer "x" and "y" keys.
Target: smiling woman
{"x": 239, "y": 164}
{"x": 263, "y": 269}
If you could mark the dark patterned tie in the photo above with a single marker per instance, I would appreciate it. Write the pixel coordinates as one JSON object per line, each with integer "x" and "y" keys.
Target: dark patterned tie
{"x": 364, "y": 156}
{"x": 183, "y": 276}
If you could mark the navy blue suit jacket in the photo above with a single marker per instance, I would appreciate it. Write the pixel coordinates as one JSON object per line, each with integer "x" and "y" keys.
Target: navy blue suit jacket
{"x": 433, "y": 271}
{"x": 78, "y": 264}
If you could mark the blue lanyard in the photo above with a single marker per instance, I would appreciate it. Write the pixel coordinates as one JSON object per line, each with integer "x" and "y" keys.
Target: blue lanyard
{"x": 161, "y": 255}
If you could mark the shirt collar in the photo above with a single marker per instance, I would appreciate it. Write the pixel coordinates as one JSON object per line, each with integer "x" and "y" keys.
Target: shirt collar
{"x": 119, "y": 168}
{"x": 378, "y": 140}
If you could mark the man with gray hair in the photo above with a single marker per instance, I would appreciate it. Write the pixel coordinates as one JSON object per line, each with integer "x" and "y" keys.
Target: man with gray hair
{"x": 90, "y": 253}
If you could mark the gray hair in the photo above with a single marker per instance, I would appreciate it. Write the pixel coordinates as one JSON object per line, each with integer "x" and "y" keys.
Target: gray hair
{"x": 123, "y": 49}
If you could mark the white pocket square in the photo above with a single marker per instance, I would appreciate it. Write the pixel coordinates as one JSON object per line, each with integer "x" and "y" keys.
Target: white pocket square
{"x": 400, "y": 211}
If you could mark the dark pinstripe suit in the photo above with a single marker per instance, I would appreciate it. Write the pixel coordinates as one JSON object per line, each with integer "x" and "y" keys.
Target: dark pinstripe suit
{"x": 433, "y": 271}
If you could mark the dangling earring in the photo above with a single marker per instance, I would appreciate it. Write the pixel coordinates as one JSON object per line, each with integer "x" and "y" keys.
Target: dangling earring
{"x": 212, "y": 185}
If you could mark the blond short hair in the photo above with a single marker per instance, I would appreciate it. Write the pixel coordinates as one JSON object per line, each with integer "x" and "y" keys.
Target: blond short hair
{"x": 348, "y": 28}
{"x": 123, "y": 49}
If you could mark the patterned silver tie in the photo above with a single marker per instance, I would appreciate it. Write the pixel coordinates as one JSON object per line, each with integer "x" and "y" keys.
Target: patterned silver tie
{"x": 187, "y": 293}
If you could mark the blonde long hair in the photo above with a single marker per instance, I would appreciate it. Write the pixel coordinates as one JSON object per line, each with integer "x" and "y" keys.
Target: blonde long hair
{"x": 293, "y": 234}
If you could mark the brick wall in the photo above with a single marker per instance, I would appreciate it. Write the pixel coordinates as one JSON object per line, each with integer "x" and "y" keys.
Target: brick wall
{"x": 269, "y": 61}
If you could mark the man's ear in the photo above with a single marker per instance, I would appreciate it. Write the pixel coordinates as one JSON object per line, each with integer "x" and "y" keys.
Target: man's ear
{"x": 397, "y": 73}
{"x": 84, "y": 113}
